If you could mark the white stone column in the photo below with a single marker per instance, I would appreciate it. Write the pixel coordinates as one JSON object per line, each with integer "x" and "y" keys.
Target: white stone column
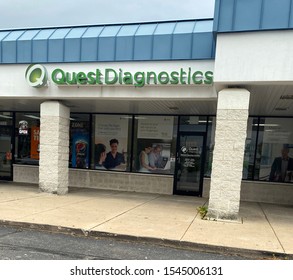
{"x": 54, "y": 148}
{"x": 230, "y": 135}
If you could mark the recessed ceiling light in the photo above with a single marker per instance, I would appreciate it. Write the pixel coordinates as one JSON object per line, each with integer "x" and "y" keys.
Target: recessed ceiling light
{"x": 281, "y": 108}
{"x": 140, "y": 118}
{"x": 287, "y": 96}
{"x": 266, "y": 124}
{"x": 32, "y": 117}
{"x": 5, "y": 117}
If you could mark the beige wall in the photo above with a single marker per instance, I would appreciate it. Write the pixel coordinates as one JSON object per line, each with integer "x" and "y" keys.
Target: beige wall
{"x": 250, "y": 191}
{"x": 254, "y": 57}
{"x": 132, "y": 182}
{"x": 26, "y": 174}
{"x": 257, "y": 191}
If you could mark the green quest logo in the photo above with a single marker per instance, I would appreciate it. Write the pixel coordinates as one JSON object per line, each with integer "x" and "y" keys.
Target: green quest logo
{"x": 36, "y": 75}
{"x": 138, "y": 79}
{"x": 109, "y": 76}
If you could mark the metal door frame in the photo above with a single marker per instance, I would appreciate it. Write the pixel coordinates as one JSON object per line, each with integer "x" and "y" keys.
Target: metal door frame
{"x": 10, "y": 177}
{"x": 202, "y": 164}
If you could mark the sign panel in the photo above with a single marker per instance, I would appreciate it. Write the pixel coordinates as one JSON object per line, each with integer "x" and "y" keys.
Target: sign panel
{"x": 155, "y": 127}
{"x": 35, "y": 142}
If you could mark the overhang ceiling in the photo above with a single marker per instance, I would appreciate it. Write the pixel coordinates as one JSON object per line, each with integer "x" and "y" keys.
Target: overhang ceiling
{"x": 271, "y": 100}
{"x": 175, "y": 107}
{"x": 266, "y": 100}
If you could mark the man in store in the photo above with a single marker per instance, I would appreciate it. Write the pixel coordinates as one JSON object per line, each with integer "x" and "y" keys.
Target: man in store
{"x": 282, "y": 167}
{"x": 155, "y": 157}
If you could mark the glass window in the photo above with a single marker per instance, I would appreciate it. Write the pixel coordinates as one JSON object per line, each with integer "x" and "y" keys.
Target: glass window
{"x": 5, "y": 144}
{"x": 193, "y": 123}
{"x": 202, "y": 124}
{"x": 249, "y": 152}
{"x": 27, "y": 137}
{"x": 274, "y": 158}
{"x": 6, "y": 119}
{"x": 79, "y": 147}
{"x": 155, "y": 144}
{"x": 112, "y": 142}
{"x": 210, "y": 146}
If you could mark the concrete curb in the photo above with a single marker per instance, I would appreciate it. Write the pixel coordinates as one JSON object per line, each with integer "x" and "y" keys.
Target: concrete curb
{"x": 207, "y": 248}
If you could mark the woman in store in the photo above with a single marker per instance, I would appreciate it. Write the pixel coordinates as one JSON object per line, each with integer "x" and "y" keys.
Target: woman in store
{"x": 144, "y": 160}
{"x": 100, "y": 156}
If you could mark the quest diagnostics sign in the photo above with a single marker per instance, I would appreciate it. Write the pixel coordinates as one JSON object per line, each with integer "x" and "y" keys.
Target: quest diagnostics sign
{"x": 36, "y": 75}
{"x": 110, "y": 76}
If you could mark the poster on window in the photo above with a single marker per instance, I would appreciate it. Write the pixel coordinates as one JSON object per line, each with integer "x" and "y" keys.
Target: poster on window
{"x": 23, "y": 127}
{"x": 276, "y": 136}
{"x": 155, "y": 127}
{"x": 111, "y": 140}
{"x": 35, "y": 142}
{"x": 154, "y": 139}
{"x": 80, "y": 150}
{"x": 153, "y": 156}
{"x": 276, "y": 162}
{"x": 275, "y": 152}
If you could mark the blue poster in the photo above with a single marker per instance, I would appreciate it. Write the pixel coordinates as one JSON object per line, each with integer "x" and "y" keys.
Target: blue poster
{"x": 80, "y": 150}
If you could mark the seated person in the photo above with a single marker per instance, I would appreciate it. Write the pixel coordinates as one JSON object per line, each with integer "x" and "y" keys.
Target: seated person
{"x": 155, "y": 157}
{"x": 114, "y": 159}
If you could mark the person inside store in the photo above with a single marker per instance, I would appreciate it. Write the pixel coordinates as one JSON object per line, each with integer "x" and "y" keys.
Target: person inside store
{"x": 155, "y": 157}
{"x": 144, "y": 160}
{"x": 114, "y": 159}
{"x": 100, "y": 156}
{"x": 282, "y": 167}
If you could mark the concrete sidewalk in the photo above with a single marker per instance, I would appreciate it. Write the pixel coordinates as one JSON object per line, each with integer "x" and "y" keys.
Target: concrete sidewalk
{"x": 265, "y": 229}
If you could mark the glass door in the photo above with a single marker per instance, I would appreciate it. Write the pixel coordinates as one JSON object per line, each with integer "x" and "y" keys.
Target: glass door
{"x": 5, "y": 153}
{"x": 189, "y": 163}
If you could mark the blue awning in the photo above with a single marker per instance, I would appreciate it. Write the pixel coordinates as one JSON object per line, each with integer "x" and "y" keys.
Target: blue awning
{"x": 172, "y": 40}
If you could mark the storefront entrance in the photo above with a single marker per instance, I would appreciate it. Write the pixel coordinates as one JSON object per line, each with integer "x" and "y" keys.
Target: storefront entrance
{"x": 190, "y": 163}
{"x": 5, "y": 152}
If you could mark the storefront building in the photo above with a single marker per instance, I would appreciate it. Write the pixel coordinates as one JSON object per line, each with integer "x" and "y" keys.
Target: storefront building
{"x": 197, "y": 107}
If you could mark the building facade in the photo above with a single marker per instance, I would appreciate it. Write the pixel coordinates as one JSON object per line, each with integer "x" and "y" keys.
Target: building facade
{"x": 196, "y": 107}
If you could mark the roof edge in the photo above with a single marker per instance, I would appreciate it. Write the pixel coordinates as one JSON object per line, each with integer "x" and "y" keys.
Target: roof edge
{"x": 105, "y": 24}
